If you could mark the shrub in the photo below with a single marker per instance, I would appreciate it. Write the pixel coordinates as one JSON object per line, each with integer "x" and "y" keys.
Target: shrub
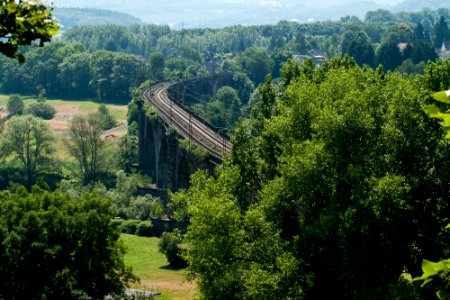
{"x": 169, "y": 245}
{"x": 107, "y": 120}
{"x": 130, "y": 226}
{"x": 118, "y": 222}
{"x": 144, "y": 228}
{"x": 15, "y": 105}
{"x": 42, "y": 110}
{"x": 144, "y": 207}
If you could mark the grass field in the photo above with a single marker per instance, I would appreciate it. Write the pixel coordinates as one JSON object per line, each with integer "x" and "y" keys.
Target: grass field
{"x": 65, "y": 110}
{"x": 152, "y": 268}
{"x": 71, "y": 107}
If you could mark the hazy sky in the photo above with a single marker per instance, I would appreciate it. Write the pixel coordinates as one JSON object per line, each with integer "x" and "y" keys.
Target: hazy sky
{"x": 219, "y": 13}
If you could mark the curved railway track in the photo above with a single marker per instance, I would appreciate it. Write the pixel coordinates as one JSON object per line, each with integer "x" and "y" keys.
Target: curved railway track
{"x": 186, "y": 124}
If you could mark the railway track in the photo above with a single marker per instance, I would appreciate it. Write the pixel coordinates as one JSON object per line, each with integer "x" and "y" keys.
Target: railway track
{"x": 185, "y": 123}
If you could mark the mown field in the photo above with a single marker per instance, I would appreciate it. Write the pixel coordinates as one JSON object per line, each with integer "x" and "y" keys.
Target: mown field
{"x": 66, "y": 109}
{"x": 152, "y": 268}
{"x": 73, "y": 107}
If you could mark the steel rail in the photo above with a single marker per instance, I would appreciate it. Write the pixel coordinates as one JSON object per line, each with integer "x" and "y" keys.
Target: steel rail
{"x": 188, "y": 127}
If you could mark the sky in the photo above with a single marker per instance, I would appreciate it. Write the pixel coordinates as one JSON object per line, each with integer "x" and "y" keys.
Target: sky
{"x": 219, "y": 13}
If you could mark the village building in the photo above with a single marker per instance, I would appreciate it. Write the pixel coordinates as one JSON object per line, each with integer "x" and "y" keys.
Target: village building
{"x": 444, "y": 53}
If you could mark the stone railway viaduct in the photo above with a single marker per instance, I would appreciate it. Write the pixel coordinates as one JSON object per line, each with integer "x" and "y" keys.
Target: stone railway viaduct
{"x": 163, "y": 123}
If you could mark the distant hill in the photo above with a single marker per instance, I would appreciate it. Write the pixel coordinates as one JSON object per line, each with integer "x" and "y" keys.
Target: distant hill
{"x": 221, "y": 13}
{"x": 70, "y": 17}
{"x": 417, "y": 5}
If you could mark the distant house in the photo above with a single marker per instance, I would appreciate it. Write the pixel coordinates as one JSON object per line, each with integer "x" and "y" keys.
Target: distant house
{"x": 317, "y": 59}
{"x": 444, "y": 53}
{"x": 402, "y": 46}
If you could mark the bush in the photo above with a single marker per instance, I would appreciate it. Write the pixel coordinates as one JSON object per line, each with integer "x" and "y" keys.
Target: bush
{"x": 169, "y": 245}
{"x": 130, "y": 226}
{"x": 15, "y": 105}
{"x": 118, "y": 223}
{"x": 144, "y": 228}
{"x": 144, "y": 207}
{"x": 107, "y": 120}
{"x": 42, "y": 110}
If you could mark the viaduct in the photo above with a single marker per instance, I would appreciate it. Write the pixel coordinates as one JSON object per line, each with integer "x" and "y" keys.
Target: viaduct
{"x": 174, "y": 142}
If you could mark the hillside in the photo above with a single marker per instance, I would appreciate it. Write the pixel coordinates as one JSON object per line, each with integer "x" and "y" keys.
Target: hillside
{"x": 70, "y": 17}
{"x": 220, "y": 13}
{"x": 417, "y": 5}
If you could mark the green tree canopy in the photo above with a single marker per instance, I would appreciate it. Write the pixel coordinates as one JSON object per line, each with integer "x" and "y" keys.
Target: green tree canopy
{"x": 55, "y": 246}
{"x": 441, "y": 32}
{"x": 347, "y": 176}
{"x": 87, "y": 147}
{"x": 388, "y": 54}
{"x": 157, "y": 63}
{"x": 29, "y": 140}
{"x": 24, "y": 23}
{"x": 357, "y": 44}
{"x": 15, "y": 105}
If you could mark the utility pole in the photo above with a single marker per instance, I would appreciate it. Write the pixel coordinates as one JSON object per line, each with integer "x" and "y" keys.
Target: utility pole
{"x": 190, "y": 130}
{"x": 171, "y": 112}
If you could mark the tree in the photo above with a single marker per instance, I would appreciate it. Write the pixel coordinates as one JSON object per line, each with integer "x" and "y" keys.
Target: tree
{"x": 107, "y": 120}
{"x": 380, "y": 16}
{"x": 24, "y": 23}
{"x": 169, "y": 245}
{"x": 388, "y": 54}
{"x": 42, "y": 110}
{"x": 15, "y": 105}
{"x": 256, "y": 63}
{"x": 227, "y": 95}
{"x": 440, "y": 32}
{"x": 232, "y": 255}
{"x": 87, "y": 147}
{"x": 437, "y": 75}
{"x": 347, "y": 176}
{"x": 419, "y": 33}
{"x": 74, "y": 74}
{"x": 128, "y": 147}
{"x": 42, "y": 96}
{"x": 157, "y": 63}
{"x": 423, "y": 51}
{"x": 356, "y": 43}
{"x": 244, "y": 86}
{"x": 30, "y": 141}
{"x": 58, "y": 246}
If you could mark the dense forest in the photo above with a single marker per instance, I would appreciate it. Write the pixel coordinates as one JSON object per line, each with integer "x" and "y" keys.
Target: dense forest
{"x": 337, "y": 184}
{"x": 105, "y": 62}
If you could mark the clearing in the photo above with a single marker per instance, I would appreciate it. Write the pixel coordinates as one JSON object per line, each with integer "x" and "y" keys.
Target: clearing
{"x": 67, "y": 109}
{"x": 152, "y": 268}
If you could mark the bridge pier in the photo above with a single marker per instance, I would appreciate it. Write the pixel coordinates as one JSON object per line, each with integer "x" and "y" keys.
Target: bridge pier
{"x": 162, "y": 158}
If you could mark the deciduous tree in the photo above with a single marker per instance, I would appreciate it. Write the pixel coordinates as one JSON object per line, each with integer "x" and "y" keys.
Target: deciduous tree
{"x": 58, "y": 246}
{"x": 30, "y": 141}
{"x": 24, "y": 23}
{"x": 87, "y": 147}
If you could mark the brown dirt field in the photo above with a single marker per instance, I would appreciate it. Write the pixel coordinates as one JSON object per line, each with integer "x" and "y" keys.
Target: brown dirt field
{"x": 58, "y": 126}
{"x": 67, "y": 109}
{"x": 183, "y": 290}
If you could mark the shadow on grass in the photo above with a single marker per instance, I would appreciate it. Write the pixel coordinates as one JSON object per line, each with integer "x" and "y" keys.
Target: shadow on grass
{"x": 172, "y": 268}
